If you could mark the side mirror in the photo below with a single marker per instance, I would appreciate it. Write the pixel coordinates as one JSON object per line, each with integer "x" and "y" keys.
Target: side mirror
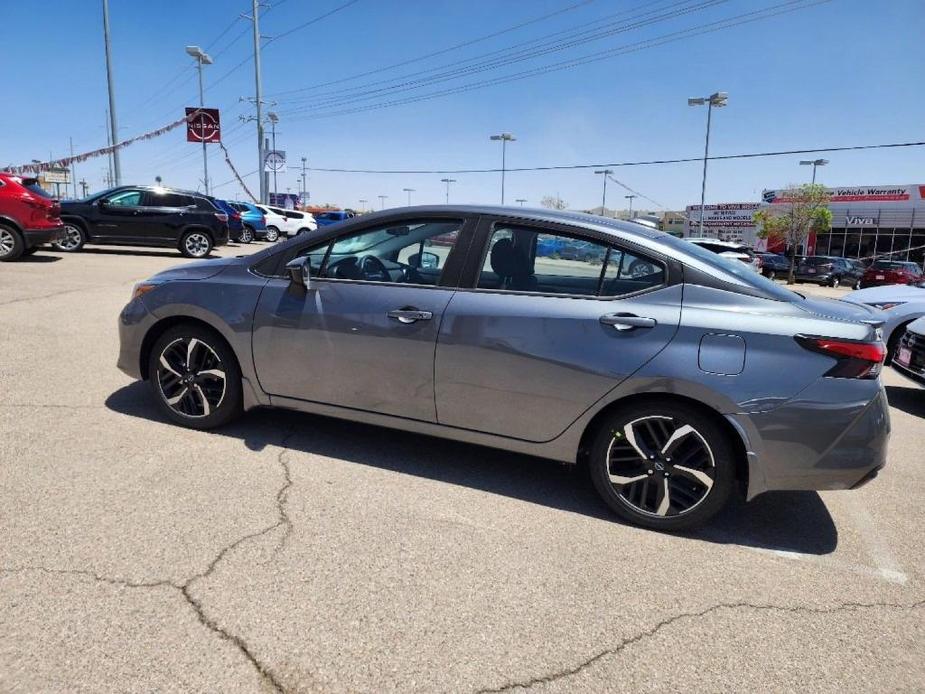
{"x": 299, "y": 270}
{"x": 425, "y": 261}
{"x": 102, "y": 203}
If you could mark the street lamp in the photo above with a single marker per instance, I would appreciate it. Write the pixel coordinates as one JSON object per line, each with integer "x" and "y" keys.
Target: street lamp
{"x": 719, "y": 100}
{"x": 448, "y": 181}
{"x": 814, "y": 163}
{"x": 382, "y": 201}
{"x": 606, "y": 173}
{"x": 274, "y": 119}
{"x": 521, "y": 201}
{"x": 505, "y": 138}
{"x": 409, "y": 191}
{"x": 202, "y": 58}
{"x": 630, "y": 198}
{"x": 363, "y": 202}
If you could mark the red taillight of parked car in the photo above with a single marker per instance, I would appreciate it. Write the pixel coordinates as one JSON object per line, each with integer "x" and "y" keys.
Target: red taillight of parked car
{"x": 221, "y": 216}
{"x": 236, "y": 215}
{"x": 856, "y": 359}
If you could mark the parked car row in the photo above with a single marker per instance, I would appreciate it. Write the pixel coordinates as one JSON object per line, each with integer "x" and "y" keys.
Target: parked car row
{"x": 194, "y": 223}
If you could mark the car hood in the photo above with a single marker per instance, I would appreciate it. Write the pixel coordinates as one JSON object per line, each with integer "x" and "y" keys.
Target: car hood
{"x": 842, "y": 310}
{"x": 198, "y": 270}
{"x": 890, "y": 292}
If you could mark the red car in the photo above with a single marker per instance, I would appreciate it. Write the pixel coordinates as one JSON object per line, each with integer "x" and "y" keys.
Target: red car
{"x": 883, "y": 272}
{"x": 29, "y": 217}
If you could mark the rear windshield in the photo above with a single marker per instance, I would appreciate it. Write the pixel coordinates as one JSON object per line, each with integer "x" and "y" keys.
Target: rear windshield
{"x": 742, "y": 272}
{"x": 895, "y": 265}
{"x": 817, "y": 261}
{"x": 32, "y": 185}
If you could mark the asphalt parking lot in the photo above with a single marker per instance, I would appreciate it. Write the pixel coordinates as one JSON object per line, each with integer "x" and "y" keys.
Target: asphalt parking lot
{"x": 290, "y": 552}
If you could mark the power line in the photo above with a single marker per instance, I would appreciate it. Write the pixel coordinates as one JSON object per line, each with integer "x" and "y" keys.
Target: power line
{"x": 433, "y": 54}
{"x": 745, "y": 18}
{"x": 312, "y": 21}
{"x": 650, "y": 162}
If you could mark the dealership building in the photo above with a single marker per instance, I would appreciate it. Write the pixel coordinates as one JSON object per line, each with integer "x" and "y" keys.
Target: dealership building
{"x": 867, "y": 221}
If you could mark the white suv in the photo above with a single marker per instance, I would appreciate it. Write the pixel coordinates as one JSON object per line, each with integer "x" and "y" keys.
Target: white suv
{"x": 286, "y": 222}
{"x": 728, "y": 249}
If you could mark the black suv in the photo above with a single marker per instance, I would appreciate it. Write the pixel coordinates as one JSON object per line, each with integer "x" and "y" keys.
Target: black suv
{"x": 829, "y": 270}
{"x": 145, "y": 216}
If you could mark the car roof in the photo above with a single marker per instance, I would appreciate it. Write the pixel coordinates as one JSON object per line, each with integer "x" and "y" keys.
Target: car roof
{"x": 706, "y": 239}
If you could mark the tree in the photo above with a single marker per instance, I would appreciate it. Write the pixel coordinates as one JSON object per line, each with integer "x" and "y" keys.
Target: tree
{"x": 801, "y": 211}
{"x": 553, "y": 203}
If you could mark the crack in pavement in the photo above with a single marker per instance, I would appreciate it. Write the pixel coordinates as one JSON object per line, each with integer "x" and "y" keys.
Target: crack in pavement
{"x": 65, "y": 291}
{"x": 625, "y": 643}
{"x": 184, "y": 588}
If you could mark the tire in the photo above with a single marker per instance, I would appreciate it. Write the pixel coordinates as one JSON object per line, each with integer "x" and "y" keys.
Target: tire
{"x": 272, "y": 234}
{"x": 856, "y": 285}
{"x": 303, "y": 230}
{"x": 771, "y": 275}
{"x": 74, "y": 238}
{"x": 247, "y": 234}
{"x": 835, "y": 282}
{"x": 196, "y": 244}
{"x": 11, "y": 244}
{"x": 621, "y": 451}
{"x": 188, "y": 390}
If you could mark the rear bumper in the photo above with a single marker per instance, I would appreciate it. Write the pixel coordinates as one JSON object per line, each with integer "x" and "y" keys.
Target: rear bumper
{"x": 221, "y": 236}
{"x": 911, "y": 372}
{"x": 36, "y": 237}
{"x": 834, "y": 435}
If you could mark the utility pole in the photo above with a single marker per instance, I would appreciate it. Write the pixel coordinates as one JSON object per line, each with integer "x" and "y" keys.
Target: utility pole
{"x": 719, "y": 100}
{"x": 448, "y": 181}
{"x": 84, "y": 187}
{"x": 304, "y": 190}
{"x": 630, "y": 198}
{"x": 274, "y": 119}
{"x": 505, "y": 138}
{"x": 70, "y": 141}
{"x": 108, "y": 158}
{"x": 202, "y": 58}
{"x": 606, "y": 173}
{"x": 258, "y": 98}
{"x": 113, "y": 128}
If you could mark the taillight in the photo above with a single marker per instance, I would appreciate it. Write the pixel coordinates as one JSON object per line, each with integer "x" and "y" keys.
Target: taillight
{"x": 236, "y": 215}
{"x": 856, "y": 359}
{"x": 221, "y": 216}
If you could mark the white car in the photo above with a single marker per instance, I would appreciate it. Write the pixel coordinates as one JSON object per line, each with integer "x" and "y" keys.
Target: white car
{"x": 901, "y": 304}
{"x": 728, "y": 249}
{"x": 286, "y": 222}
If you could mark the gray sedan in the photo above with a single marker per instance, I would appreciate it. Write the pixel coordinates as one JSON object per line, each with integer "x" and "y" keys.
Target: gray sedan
{"x": 677, "y": 377}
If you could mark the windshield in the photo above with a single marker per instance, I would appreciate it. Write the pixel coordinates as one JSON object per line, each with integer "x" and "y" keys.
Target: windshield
{"x": 744, "y": 273}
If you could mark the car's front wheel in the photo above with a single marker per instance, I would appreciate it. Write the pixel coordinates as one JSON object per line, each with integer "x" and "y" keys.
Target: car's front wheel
{"x": 246, "y": 235}
{"x": 73, "y": 240}
{"x": 196, "y": 244}
{"x": 195, "y": 377}
{"x": 272, "y": 234}
{"x": 665, "y": 466}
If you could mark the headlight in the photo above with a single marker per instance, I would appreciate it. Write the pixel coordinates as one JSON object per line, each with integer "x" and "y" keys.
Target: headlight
{"x": 143, "y": 288}
{"x": 888, "y": 305}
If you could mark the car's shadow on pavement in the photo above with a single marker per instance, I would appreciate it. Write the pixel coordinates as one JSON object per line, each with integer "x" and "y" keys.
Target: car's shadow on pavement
{"x": 39, "y": 258}
{"x": 909, "y": 400}
{"x": 143, "y": 253}
{"x": 788, "y": 521}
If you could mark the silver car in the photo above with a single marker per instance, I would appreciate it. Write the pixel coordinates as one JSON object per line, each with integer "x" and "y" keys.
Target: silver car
{"x": 677, "y": 377}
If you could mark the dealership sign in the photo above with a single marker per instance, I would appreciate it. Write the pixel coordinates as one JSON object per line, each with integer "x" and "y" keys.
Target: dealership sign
{"x": 727, "y": 216}
{"x": 275, "y": 161}
{"x": 203, "y": 125}
{"x": 874, "y": 196}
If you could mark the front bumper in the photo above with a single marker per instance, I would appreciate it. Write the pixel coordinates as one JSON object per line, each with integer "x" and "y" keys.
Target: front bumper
{"x": 915, "y": 368}
{"x": 832, "y": 436}
{"x": 36, "y": 237}
{"x": 134, "y": 323}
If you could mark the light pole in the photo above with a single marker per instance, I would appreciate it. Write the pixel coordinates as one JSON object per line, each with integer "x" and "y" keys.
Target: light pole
{"x": 448, "y": 181}
{"x": 363, "y": 202}
{"x": 304, "y": 189}
{"x": 409, "y": 191}
{"x": 505, "y": 138}
{"x": 814, "y": 163}
{"x": 382, "y": 201}
{"x": 113, "y": 128}
{"x": 274, "y": 119}
{"x": 202, "y": 58}
{"x": 521, "y": 201}
{"x": 630, "y": 198}
{"x": 605, "y": 173}
{"x": 717, "y": 99}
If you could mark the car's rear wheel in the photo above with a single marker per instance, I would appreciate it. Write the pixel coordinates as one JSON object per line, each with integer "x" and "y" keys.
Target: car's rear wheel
{"x": 770, "y": 274}
{"x": 196, "y": 244}
{"x": 195, "y": 377}
{"x": 856, "y": 285}
{"x": 11, "y": 243}
{"x": 835, "y": 281}
{"x": 272, "y": 234}
{"x": 73, "y": 240}
{"x": 662, "y": 465}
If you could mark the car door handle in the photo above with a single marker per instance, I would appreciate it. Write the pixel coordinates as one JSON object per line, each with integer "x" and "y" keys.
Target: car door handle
{"x": 627, "y": 321}
{"x": 409, "y": 315}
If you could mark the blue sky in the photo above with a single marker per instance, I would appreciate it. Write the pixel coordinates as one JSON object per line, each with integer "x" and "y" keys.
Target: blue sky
{"x": 843, "y": 72}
